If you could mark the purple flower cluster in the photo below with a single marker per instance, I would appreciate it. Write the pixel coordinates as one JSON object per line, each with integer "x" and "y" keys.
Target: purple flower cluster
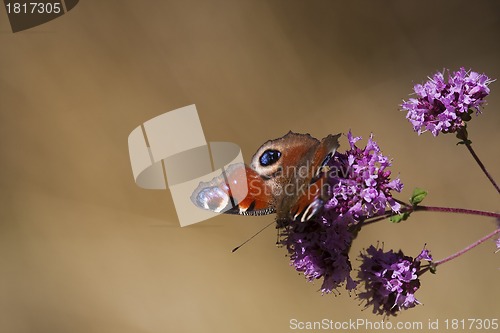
{"x": 390, "y": 280}
{"x": 359, "y": 188}
{"x": 446, "y": 106}
{"x": 360, "y": 182}
{"x": 319, "y": 249}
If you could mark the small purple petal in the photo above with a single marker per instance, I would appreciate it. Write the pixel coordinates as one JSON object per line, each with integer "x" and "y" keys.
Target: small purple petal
{"x": 424, "y": 255}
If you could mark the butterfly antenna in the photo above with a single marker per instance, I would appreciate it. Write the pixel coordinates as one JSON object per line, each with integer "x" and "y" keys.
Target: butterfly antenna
{"x": 258, "y": 232}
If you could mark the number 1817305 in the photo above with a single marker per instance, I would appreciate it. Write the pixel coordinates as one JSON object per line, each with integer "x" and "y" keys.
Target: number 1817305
{"x": 33, "y": 8}
{"x": 471, "y": 323}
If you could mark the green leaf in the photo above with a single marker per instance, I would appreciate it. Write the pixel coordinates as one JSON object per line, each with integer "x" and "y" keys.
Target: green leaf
{"x": 417, "y": 196}
{"x": 399, "y": 217}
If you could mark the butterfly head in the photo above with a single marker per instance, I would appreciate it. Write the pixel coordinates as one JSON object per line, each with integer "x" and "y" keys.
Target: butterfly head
{"x": 274, "y": 156}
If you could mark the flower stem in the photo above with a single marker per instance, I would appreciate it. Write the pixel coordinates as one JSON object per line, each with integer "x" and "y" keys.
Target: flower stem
{"x": 375, "y": 219}
{"x": 481, "y": 165}
{"x": 468, "y": 248}
{"x": 402, "y": 203}
{"x": 408, "y": 208}
{"x": 456, "y": 210}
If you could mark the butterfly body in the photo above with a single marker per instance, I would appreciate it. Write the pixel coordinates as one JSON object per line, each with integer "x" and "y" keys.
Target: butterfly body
{"x": 286, "y": 176}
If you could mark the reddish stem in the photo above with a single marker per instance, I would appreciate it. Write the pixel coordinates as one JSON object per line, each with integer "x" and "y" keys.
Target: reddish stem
{"x": 389, "y": 213}
{"x": 481, "y": 165}
{"x": 457, "y": 210}
{"x": 468, "y": 248}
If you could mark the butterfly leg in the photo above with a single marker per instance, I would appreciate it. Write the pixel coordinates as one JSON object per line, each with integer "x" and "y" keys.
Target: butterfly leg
{"x": 310, "y": 203}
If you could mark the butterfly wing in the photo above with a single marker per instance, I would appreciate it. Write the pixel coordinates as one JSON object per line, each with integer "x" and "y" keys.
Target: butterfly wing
{"x": 309, "y": 193}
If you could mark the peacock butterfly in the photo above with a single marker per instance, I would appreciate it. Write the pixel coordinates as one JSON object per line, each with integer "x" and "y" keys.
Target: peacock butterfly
{"x": 286, "y": 176}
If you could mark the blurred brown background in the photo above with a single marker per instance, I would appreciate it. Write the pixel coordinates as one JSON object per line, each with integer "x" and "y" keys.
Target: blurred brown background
{"x": 82, "y": 249}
